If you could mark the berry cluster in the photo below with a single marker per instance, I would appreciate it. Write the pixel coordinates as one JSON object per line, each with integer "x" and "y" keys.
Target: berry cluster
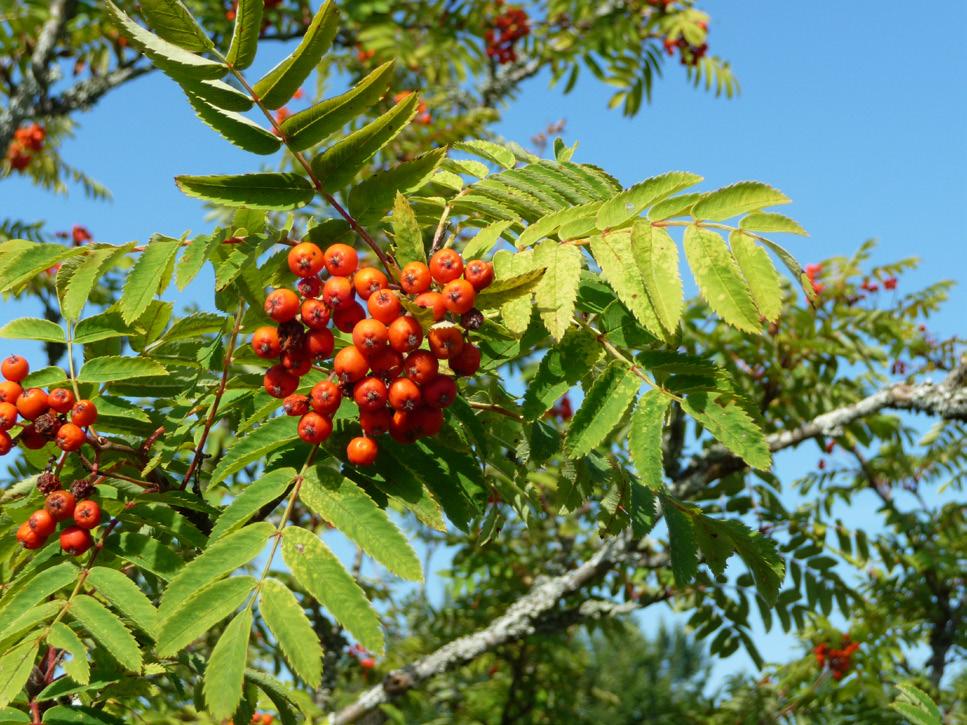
{"x": 690, "y": 54}
{"x": 509, "y": 27}
{"x": 364, "y": 658}
{"x": 839, "y": 660}
{"x": 26, "y": 142}
{"x": 396, "y": 383}
{"x": 423, "y": 116}
{"x": 812, "y": 272}
{"x": 61, "y": 506}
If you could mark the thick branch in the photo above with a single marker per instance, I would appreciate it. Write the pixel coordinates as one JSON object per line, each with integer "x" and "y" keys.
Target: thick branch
{"x": 83, "y": 95}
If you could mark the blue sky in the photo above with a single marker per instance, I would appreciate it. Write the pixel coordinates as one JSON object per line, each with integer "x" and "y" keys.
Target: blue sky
{"x": 856, "y": 111}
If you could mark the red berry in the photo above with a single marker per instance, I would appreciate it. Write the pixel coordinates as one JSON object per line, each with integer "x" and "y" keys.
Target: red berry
{"x": 446, "y": 265}
{"x": 60, "y": 505}
{"x": 75, "y": 541}
{"x": 296, "y": 404}
{"x": 370, "y": 394}
{"x": 29, "y": 538}
{"x": 467, "y": 361}
{"x": 15, "y": 368}
{"x": 266, "y": 343}
{"x": 404, "y": 395}
{"x": 385, "y": 306}
{"x": 341, "y": 260}
{"x": 368, "y": 280}
{"x": 6, "y": 443}
{"x": 8, "y": 416}
{"x": 42, "y": 523}
{"x": 362, "y": 451}
{"x": 315, "y": 314}
{"x": 70, "y": 437}
{"x": 314, "y": 428}
{"x": 347, "y": 317}
{"x": 445, "y": 342}
{"x": 459, "y": 296}
{"x": 61, "y": 400}
{"x": 415, "y": 278}
{"x": 309, "y": 287}
{"x": 401, "y": 427}
{"x": 338, "y": 292}
{"x": 32, "y": 439}
{"x": 33, "y": 403}
{"x": 282, "y": 305}
{"x": 440, "y": 392}
{"x": 320, "y": 343}
{"x": 433, "y": 301}
{"x": 405, "y": 334}
{"x": 387, "y": 364}
{"x": 84, "y": 413}
{"x": 9, "y": 392}
{"x": 479, "y": 273}
{"x": 306, "y": 260}
{"x": 279, "y": 382}
{"x": 370, "y": 336}
{"x": 350, "y": 364}
{"x": 325, "y": 397}
{"x": 420, "y": 366}
{"x": 427, "y": 421}
{"x": 87, "y": 514}
{"x": 375, "y": 422}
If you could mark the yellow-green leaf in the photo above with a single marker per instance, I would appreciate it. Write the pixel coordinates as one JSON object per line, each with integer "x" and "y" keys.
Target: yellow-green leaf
{"x": 760, "y": 274}
{"x": 225, "y": 673}
{"x": 630, "y": 202}
{"x": 656, "y": 256}
{"x": 557, "y": 290}
{"x": 202, "y": 611}
{"x": 245, "y": 33}
{"x": 603, "y": 407}
{"x": 276, "y": 191}
{"x": 107, "y": 629}
{"x": 730, "y": 201}
{"x": 719, "y": 279}
{"x": 288, "y": 622}
{"x": 613, "y": 252}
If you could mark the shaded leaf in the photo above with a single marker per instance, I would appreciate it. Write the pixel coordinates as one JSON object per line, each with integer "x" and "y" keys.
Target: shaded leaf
{"x": 225, "y": 672}
{"x": 645, "y": 440}
{"x": 297, "y": 639}
{"x": 277, "y": 191}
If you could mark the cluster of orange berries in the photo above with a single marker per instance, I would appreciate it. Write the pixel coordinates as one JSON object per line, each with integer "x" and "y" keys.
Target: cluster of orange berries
{"x": 509, "y": 27}
{"x": 61, "y": 506}
{"x": 690, "y": 54}
{"x": 396, "y": 383}
{"x": 423, "y": 116}
{"x": 838, "y": 659}
{"x": 26, "y": 142}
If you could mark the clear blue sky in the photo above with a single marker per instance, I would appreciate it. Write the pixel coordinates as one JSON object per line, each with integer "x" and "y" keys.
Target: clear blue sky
{"x": 855, "y": 110}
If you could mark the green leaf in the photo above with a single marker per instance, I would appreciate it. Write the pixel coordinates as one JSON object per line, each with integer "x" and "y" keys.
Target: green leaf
{"x": 674, "y": 206}
{"x": 720, "y": 279}
{"x": 171, "y": 20}
{"x": 176, "y": 62}
{"x": 508, "y": 289}
{"x": 24, "y": 265}
{"x": 601, "y": 410}
{"x": 193, "y": 259}
{"x": 281, "y": 696}
{"x": 551, "y": 223}
{"x": 271, "y": 435}
{"x": 484, "y": 240}
{"x": 277, "y": 86}
{"x": 79, "y": 715}
{"x": 730, "y": 201}
{"x": 218, "y": 560}
{"x": 916, "y": 705}
{"x": 48, "y": 377}
{"x": 15, "y": 668}
{"x": 78, "y": 667}
{"x": 488, "y": 150}
{"x": 718, "y": 539}
{"x": 112, "y": 368}
{"x": 33, "y": 328}
{"x": 557, "y": 291}
{"x": 613, "y": 252}
{"x": 193, "y": 326}
{"x": 239, "y": 130}
{"x": 682, "y": 545}
{"x": 288, "y": 622}
{"x": 645, "y": 440}
{"x": 322, "y": 575}
{"x": 107, "y": 629}
{"x": 10, "y": 716}
{"x": 126, "y": 596}
{"x": 407, "y": 235}
{"x": 759, "y": 273}
{"x": 338, "y": 164}
{"x": 203, "y": 610}
{"x": 36, "y": 589}
{"x": 374, "y": 195}
{"x": 793, "y": 266}
{"x": 631, "y": 202}
{"x": 560, "y": 368}
{"x": 771, "y": 222}
{"x": 656, "y": 255}
{"x": 347, "y": 507}
{"x": 732, "y": 427}
{"x": 275, "y": 191}
{"x": 149, "y": 277}
{"x": 225, "y": 673}
{"x": 270, "y": 487}
{"x": 85, "y": 277}
{"x": 102, "y": 327}
{"x": 145, "y": 552}
{"x": 309, "y": 127}
{"x": 245, "y": 34}
{"x": 219, "y": 94}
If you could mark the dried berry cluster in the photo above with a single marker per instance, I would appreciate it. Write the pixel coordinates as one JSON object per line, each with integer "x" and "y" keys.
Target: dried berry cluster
{"x": 26, "y": 142}
{"x": 392, "y": 368}
{"x": 838, "y": 659}
{"x": 509, "y": 27}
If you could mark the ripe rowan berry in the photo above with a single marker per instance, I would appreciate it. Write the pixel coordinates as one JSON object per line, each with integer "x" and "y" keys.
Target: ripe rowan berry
{"x": 385, "y": 306}
{"x": 315, "y": 314}
{"x": 467, "y": 361}
{"x": 445, "y": 342}
{"x": 368, "y": 280}
{"x": 6, "y": 443}
{"x": 375, "y": 422}
{"x": 420, "y": 366}
{"x": 84, "y": 413}
{"x": 350, "y": 364}
{"x": 296, "y": 362}
{"x": 8, "y": 416}
{"x": 341, "y": 260}
{"x": 15, "y": 368}
{"x": 9, "y": 392}
{"x": 320, "y": 343}
{"x": 306, "y": 260}
{"x": 309, "y": 287}
{"x": 338, "y": 292}
{"x": 42, "y": 523}
{"x": 386, "y": 364}
{"x": 401, "y": 427}
{"x": 296, "y": 404}
{"x": 346, "y": 318}
{"x": 60, "y": 505}
{"x": 61, "y": 400}
{"x": 325, "y": 397}
{"x": 459, "y": 296}
{"x": 433, "y": 301}
{"x": 282, "y": 305}
{"x": 87, "y": 514}
{"x": 479, "y": 273}
{"x": 279, "y": 382}
{"x": 370, "y": 336}
{"x": 440, "y": 392}
{"x": 446, "y": 265}
{"x": 415, "y": 278}
{"x": 29, "y": 538}
{"x": 362, "y": 451}
{"x": 404, "y": 394}
{"x": 427, "y": 421}
{"x": 405, "y": 334}
{"x": 266, "y": 343}
{"x": 75, "y": 541}
{"x": 314, "y": 428}
{"x": 70, "y": 437}
{"x": 32, "y": 438}
{"x": 33, "y": 403}
{"x": 370, "y": 394}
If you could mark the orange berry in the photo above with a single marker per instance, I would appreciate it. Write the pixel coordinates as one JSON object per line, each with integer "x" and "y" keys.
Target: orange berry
{"x": 75, "y": 541}
{"x": 306, "y": 260}
{"x": 346, "y": 318}
{"x": 296, "y": 362}
{"x": 60, "y": 504}
{"x": 384, "y": 305}
{"x": 9, "y": 392}
{"x": 404, "y": 394}
{"x": 368, "y": 280}
{"x": 279, "y": 382}
{"x": 6, "y": 443}
{"x": 446, "y": 265}
{"x": 459, "y": 296}
{"x": 445, "y": 342}
{"x": 341, "y": 260}
{"x": 467, "y": 361}
{"x": 420, "y": 366}
{"x": 386, "y": 364}
{"x": 314, "y": 428}
{"x": 87, "y": 514}
{"x": 405, "y": 334}
{"x": 415, "y": 278}
{"x": 33, "y": 403}
{"x": 350, "y": 364}
{"x": 440, "y": 392}
{"x": 370, "y": 394}
{"x": 8, "y": 416}
{"x": 370, "y": 336}
{"x": 375, "y": 422}
{"x": 29, "y": 538}
{"x": 320, "y": 343}
{"x": 338, "y": 292}
{"x": 61, "y": 400}
{"x": 15, "y": 368}
{"x": 282, "y": 305}
{"x": 70, "y": 437}
{"x": 296, "y": 404}
{"x": 266, "y": 343}
{"x": 325, "y": 397}
{"x": 362, "y": 451}
{"x": 84, "y": 413}
{"x": 42, "y": 523}
{"x": 479, "y": 273}
{"x": 433, "y": 301}
{"x": 427, "y": 421}
{"x": 315, "y": 314}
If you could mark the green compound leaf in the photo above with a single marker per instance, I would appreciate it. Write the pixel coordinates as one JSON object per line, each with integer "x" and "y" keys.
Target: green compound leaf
{"x": 107, "y": 629}
{"x": 202, "y": 611}
{"x": 274, "y": 191}
{"x": 239, "y": 130}
{"x": 245, "y": 34}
